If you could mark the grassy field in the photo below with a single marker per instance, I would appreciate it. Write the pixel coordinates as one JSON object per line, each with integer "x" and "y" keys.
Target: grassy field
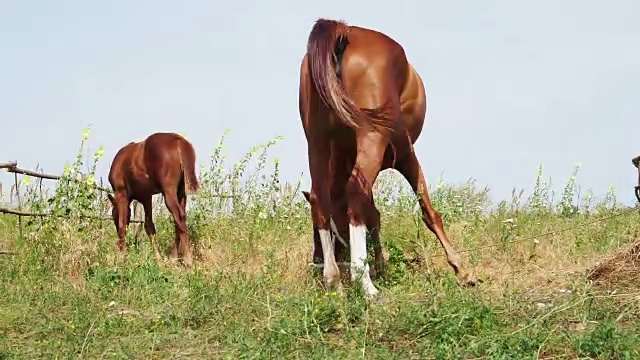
{"x": 252, "y": 294}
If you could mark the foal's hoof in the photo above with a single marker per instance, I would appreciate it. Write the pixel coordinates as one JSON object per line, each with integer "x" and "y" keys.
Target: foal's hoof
{"x": 187, "y": 262}
{"x": 467, "y": 279}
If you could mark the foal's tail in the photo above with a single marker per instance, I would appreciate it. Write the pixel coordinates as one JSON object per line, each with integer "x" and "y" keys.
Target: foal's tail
{"x": 321, "y": 48}
{"x": 188, "y": 164}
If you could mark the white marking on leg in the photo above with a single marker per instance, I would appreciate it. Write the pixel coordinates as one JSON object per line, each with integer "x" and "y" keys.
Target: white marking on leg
{"x": 331, "y": 272}
{"x": 359, "y": 266}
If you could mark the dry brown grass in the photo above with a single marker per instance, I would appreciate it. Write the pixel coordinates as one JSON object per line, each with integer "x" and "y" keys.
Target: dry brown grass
{"x": 618, "y": 271}
{"x": 226, "y": 257}
{"x": 523, "y": 267}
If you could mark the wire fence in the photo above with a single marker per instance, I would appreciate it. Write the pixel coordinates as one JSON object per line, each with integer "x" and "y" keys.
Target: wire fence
{"x": 137, "y": 218}
{"x": 12, "y": 167}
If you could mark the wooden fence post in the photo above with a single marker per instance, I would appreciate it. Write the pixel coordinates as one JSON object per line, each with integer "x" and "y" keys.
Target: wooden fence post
{"x": 15, "y": 177}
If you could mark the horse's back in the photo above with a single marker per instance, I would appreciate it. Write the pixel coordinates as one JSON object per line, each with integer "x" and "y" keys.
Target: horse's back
{"x": 372, "y": 38}
{"x": 368, "y": 47}
{"x": 162, "y": 151}
{"x": 166, "y": 157}
{"x": 163, "y": 141}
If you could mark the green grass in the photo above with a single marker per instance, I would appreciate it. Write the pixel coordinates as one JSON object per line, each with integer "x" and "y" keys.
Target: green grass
{"x": 66, "y": 292}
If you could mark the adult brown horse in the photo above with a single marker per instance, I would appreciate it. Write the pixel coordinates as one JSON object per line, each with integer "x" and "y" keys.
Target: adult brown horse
{"x": 362, "y": 106}
{"x": 636, "y": 162}
{"x": 162, "y": 163}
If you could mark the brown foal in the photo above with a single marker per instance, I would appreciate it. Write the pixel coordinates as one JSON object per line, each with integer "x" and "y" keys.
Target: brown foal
{"x": 162, "y": 163}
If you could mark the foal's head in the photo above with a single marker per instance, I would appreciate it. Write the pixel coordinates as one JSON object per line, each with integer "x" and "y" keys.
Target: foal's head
{"x": 115, "y": 209}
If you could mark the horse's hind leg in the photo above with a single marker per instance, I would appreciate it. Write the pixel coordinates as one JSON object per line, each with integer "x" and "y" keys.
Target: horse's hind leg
{"x": 177, "y": 206}
{"x": 412, "y": 171}
{"x": 320, "y": 200}
{"x": 185, "y": 245}
{"x": 371, "y": 146}
{"x": 149, "y": 227}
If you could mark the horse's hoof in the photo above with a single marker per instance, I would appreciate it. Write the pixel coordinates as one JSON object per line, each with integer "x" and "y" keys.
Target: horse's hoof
{"x": 187, "y": 262}
{"x": 378, "y": 299}
{"x": 333, "y": 285}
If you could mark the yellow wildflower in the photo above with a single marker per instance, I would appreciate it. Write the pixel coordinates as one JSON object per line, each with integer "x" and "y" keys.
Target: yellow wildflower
{"x": 100, "y": 152}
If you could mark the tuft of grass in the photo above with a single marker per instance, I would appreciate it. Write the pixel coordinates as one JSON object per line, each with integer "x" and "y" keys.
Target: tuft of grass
{"x": 67, "y": 292}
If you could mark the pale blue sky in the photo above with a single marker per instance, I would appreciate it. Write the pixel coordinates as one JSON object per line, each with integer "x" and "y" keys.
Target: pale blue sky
{"x": 510, "y": 83}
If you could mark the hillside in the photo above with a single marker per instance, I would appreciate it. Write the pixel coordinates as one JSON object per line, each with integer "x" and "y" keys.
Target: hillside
{"x": 66, "y": 292}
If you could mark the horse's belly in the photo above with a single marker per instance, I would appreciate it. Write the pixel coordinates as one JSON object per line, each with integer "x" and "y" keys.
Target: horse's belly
{"x": 146, "y": 186}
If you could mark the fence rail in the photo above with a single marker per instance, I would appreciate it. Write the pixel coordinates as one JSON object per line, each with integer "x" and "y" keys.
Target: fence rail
{"x": 8, "y": 165}
{"x": 12, "y": 167}
{"x": 8, "y": 211}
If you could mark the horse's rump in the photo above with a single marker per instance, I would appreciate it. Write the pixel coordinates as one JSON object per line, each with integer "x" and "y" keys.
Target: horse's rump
{"x": 327, "y": 42}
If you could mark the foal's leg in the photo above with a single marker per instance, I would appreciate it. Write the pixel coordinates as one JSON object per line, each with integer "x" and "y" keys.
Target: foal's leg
{"x": 412, "y": 171}
{"x": 173, "y": 203}
{"x": 149, "y": 227}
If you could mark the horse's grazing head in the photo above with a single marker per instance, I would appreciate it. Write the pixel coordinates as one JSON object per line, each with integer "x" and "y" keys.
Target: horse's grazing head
{"x": 317, "y": 247}
{"x": 636, "y": 162}
{"x": 307, "y": 196}
{"x": 114, "y": 209}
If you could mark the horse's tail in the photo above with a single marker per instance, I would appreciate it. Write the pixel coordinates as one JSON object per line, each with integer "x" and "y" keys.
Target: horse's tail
{"x": 321, "y": 48}
{"x": 188, "y": 164}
